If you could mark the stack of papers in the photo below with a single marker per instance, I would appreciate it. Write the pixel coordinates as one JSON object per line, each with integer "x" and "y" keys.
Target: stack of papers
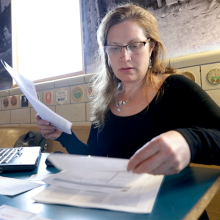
{"x": 92, "y": 183}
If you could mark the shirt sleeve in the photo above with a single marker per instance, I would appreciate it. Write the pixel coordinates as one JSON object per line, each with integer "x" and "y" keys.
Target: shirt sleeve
{"x": 203, "y": 136}
{"x": 74, "y": 146}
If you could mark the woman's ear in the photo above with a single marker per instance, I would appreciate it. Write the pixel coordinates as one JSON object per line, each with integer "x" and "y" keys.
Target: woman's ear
{"x": 151, "y": 46}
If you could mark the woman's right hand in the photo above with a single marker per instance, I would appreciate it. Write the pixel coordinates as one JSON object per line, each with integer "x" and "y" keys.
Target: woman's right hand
{"x": 47, "y": 130}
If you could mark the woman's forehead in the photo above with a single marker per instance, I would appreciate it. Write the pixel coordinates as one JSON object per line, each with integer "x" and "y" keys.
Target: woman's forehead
{"x": 125, "y": 31}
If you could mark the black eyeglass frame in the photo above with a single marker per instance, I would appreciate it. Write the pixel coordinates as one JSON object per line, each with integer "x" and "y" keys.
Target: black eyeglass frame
{"x": 126, "y": 46}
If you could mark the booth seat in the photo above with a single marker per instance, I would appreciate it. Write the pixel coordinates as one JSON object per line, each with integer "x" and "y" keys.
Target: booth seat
{"x": 9, "y": 135}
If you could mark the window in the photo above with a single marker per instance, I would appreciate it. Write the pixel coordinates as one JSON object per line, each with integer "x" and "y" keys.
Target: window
{"x": 47, "y": 38}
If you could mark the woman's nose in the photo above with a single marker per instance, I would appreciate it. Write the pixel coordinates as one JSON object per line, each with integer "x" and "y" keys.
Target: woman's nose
{"x": 125, "y": 54}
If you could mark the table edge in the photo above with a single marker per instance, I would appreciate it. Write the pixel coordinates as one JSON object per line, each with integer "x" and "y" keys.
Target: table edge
{"x": 203, "y": 202}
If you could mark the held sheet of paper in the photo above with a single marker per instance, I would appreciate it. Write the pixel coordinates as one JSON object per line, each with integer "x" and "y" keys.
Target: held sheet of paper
{"x": 27, "y": 87}
{"x": 95, "y": 185}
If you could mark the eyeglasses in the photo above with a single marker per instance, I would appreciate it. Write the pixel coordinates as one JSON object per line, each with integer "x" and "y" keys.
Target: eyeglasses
{"x": 132, "y": 47}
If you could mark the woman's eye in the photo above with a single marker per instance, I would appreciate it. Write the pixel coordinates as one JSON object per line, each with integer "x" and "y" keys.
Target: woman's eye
{"x": 114, "y": 48}
{"x": 133, "y": 46}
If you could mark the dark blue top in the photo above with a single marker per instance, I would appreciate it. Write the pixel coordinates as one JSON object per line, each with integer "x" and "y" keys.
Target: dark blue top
{"x": 184, "y": 107}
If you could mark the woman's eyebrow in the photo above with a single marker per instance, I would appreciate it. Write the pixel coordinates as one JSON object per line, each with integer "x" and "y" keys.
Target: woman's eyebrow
{"x": 130, "y": 41}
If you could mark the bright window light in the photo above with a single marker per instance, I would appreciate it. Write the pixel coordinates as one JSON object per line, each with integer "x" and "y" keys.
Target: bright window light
{"x": 46, "y": 38}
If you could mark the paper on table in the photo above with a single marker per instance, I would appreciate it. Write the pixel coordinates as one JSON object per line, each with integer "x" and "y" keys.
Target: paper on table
{"x": 28, "y": 88}
{"x": 12, "y": 186}
{"x": 108, "y": 190}
{"x": 76, "y": 162}
{"x": 11, "y": 213}
{"x": 99, "y": 182}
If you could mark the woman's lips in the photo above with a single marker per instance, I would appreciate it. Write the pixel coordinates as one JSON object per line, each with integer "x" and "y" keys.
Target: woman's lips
{"x": 127, "y": 69}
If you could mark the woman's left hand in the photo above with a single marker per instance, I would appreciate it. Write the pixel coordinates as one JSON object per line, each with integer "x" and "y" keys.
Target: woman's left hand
{"x": 165, "y": 154}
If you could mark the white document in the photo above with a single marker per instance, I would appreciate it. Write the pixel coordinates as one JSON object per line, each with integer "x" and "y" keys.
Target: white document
{"x": 12, "y": 186}
{"x": 90, "y": 182}
{"x": 28, "y": 88}
{"x": 76, "y": 162}
{"x": 115, "y": 191}
{"x": 11, "y": 213}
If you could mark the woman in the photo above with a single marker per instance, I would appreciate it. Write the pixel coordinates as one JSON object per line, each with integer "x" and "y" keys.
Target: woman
{"x": 142, "y": 109}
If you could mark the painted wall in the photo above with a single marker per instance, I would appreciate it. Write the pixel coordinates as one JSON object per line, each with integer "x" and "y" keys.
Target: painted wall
{"x": 186, "y": 26}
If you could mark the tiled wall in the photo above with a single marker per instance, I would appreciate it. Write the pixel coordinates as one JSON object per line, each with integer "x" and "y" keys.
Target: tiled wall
{"x": 200, "y": 64}
{"x": 77, "y": 110}
{"x": 68, "y": 97}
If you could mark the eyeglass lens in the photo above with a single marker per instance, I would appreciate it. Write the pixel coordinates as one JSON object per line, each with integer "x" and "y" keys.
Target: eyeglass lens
{"x": 116, "y": 49}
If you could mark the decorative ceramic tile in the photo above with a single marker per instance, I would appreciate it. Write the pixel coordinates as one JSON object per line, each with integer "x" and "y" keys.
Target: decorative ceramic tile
{"x": 5, "y": 103}
{"x": 205, "y": 69}
{"x": 79, "y": 93}
{"x": 14, "y": 102}
{"x": 62, "y": 96}
{"x": 49, "y": 97}
{"x": 213, "y": 76}
{"x": 24, "y": 101}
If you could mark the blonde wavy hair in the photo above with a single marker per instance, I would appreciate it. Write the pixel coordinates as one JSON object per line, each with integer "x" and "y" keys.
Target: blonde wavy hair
{"x": 104, "y": 81}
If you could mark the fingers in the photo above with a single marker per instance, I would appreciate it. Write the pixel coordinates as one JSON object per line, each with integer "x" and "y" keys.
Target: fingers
{"x": 149, "y": 165}
{"x": 47, "y": 129}
{"x": 37, "y": 116}
{"x": 166, "y": 154}
{"x": 157, "y": 166}
{"x": 166, "y": 168}
{"x": 144, "y": 153}
{"x": 40, "y": 121}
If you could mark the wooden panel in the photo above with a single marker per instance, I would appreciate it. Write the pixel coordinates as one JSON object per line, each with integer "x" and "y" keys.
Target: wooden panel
{"x": 9, "y": 136}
